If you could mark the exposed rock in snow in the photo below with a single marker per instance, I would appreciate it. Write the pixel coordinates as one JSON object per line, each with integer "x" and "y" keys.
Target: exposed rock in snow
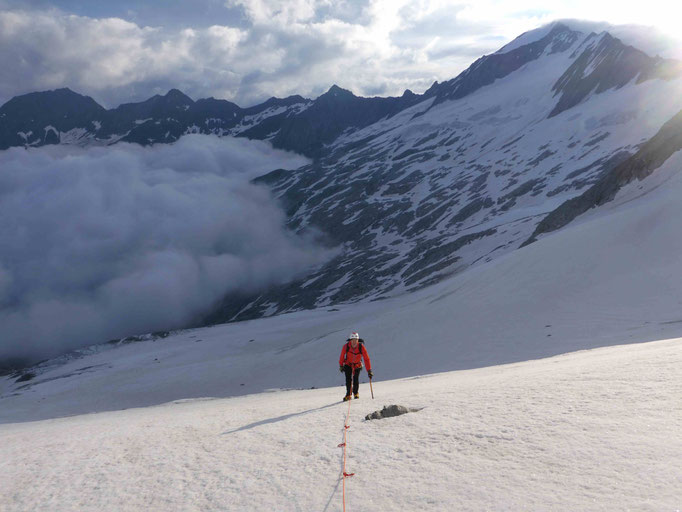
{"x": 389, "y": 411}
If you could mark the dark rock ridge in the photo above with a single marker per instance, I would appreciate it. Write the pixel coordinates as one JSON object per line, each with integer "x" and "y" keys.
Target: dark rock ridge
{"x": 650, "y": 157}
{"x": 38, "y": 117}
{"x": 293, "y": 123}
{"x": 74, "y": 118}
{"x": 330, "y": 114}
{"x": 606, "y": 63}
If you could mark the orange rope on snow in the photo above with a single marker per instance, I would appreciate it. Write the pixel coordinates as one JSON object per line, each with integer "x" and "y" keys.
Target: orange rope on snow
{"x": 346, "y": 426}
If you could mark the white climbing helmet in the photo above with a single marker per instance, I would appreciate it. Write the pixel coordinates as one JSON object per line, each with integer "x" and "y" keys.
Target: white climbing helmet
{"x": 354, "y": 336}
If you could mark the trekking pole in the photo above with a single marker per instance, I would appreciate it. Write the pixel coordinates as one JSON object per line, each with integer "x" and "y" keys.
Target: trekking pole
{"x": 370, "y": 387}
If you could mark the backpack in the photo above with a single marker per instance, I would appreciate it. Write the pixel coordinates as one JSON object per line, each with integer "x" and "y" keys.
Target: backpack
{"x": 361, "y": 343}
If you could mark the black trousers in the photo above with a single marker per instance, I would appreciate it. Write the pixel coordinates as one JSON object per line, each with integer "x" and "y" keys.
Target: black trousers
{"x": 356, "y": 379}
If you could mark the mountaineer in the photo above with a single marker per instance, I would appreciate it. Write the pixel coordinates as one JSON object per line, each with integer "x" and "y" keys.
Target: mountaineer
{"x": 350, "y": 363}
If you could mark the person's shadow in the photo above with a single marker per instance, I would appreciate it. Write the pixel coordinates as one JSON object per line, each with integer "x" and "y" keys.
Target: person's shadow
{"x": 279, "y": 418}
{"x": 286, "y": 417}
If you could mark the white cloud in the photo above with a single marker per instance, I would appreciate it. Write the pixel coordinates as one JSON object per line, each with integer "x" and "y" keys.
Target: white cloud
{"x": 114, "y": 241}
{"x": 278, "y": 48}
{"x": 97, "y": 56}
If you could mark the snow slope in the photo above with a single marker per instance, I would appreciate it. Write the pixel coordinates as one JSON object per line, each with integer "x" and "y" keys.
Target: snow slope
{"x": 613, "y": 276}
{"x": 594, "y": 430}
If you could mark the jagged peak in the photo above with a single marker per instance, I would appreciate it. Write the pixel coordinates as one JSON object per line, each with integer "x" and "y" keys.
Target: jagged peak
{"x": 431, "y": 90}
{"x": 297, "y": 98}
{"x": 644, "y": 38}
{"x": 335, "y": 90}
{"x": 64, "y": 90}
{"x": 178, "y": 96}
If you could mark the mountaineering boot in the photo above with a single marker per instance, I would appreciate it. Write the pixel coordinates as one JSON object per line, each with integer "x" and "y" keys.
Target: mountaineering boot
{"x": 346, "y": 398}
{"x": 356, "y": 395}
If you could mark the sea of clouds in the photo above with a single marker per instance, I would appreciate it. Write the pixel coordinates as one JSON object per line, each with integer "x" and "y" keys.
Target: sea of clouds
{"x": 102, "y": 243}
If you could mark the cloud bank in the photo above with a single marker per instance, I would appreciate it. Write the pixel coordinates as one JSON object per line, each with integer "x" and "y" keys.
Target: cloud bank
{"x": 258, "y": 49}
{"x": 106, "y": 242}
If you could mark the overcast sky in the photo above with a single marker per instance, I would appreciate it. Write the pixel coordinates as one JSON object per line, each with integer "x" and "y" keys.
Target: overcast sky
{"x": 249, "y": 50}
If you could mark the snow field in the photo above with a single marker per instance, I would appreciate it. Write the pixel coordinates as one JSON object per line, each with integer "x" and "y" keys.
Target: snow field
{"x": 613, "y": 276}
{"x": 593, "y": 430}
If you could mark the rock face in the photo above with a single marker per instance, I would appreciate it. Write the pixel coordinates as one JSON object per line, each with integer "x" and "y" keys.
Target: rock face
{"x": 640, "y": 165}
{"x": 77, "y": 119}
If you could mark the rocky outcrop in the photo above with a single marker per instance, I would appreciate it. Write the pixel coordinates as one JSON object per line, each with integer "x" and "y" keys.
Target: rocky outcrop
{"x": 390, "y": 411}
{"x": 606, "y": 63}
{"x": 650, "y": 157}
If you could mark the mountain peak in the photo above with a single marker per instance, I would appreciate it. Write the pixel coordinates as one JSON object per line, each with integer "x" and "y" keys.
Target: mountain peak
{"x": 605, "y": 63}
{"x": 57, "y": 100}
{"x": 177, "y": 96}
{"x": 63, "y": 91}
{"x": 335, "y": 90}
{"x": 550, "y": 32}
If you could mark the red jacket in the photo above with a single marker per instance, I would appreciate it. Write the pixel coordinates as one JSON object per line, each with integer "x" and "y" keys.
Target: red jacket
{"x": 353, "y": 356}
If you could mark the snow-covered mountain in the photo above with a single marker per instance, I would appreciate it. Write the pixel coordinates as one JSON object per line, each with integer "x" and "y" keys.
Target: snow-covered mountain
{"x": 63, "y": 116}
{"x": 538, "y": 193}
{"x": 468, "y": 173}
{"x": 419, "y": 188}
{"x": 294, "y": 123}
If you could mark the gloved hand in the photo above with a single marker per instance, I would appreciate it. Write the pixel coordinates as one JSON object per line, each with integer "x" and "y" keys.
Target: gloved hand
{"x": 341, "y": 369}
{"x": 370, "y": 373}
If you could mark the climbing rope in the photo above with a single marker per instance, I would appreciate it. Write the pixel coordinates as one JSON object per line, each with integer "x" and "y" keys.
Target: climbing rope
{"x": 344, "y": 445}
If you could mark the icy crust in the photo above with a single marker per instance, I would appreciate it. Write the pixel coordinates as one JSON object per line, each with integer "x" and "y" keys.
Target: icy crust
{"x": 586, "y": 431}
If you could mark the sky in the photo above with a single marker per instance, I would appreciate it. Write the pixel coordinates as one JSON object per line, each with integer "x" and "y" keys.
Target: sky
{"x": 249, "y": 50}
